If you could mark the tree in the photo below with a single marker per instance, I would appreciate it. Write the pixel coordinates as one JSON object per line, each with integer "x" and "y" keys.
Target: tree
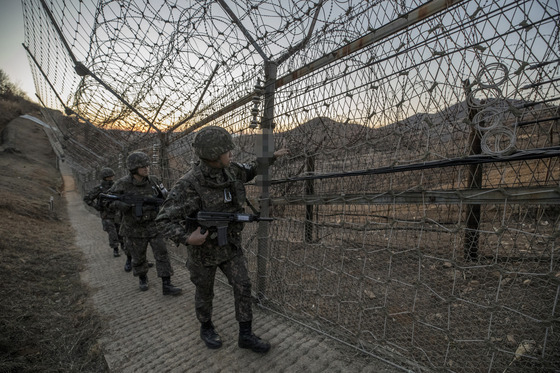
{"x": 9, "y": 90}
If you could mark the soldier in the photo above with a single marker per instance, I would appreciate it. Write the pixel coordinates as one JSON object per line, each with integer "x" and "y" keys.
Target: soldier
{"x": 138, "y": 225}
{"x": 110, "y": 219}
{"x": 215, "y": 183}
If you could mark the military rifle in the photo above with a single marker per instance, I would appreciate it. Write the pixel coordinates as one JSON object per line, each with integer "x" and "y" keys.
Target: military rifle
{"x": 136, "y": 201}
{"x": 220, "y": 220}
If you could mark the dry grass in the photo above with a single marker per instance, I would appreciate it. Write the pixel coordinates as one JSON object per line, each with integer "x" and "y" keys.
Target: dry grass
{"x": 47, "y": 321}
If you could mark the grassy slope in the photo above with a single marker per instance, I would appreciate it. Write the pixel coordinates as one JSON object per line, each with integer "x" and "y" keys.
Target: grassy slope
{"x": 47, "y": 322}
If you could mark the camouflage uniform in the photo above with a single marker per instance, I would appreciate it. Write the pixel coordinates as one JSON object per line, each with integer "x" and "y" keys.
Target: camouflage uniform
{"x": 139, "y": 231}
{"x": 217, "y": 185}
{"x": 110, "y": 218}
{"x": 209, "y": 189}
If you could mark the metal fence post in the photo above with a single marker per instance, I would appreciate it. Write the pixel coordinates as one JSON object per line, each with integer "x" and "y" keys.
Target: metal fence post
{"x": 164, "y": 159}
{"x": 309, "y": 191}
{"x": 473, "y": 212}
{"x": 265, "y": 150}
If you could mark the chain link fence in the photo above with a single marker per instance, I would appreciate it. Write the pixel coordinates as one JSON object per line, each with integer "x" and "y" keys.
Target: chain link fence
{"x": 417, "y": 213}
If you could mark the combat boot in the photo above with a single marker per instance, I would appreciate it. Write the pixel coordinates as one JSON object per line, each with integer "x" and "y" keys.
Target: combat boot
{"x": 143, "y": 282}
{"x": 169, "y": 288}
{"x": 116, "y": 252}
{"x": 128, "y": 264}
{"x": 250, "y": 341}
{"x": 209, "y": 335}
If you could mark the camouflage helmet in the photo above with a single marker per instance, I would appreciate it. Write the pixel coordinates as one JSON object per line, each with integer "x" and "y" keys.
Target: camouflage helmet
{"x": 106, "y": 172}
{"x": 211, "y": 142}
{"x": 136, "y": 160}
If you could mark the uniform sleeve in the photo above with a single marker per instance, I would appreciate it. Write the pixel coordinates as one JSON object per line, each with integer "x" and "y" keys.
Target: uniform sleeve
{"x": 173, "y": 217}
{"x": 116, "y": 189}
{"x": 87, "y": 198}
{"x": 245, "y": 171}
{"x": 92, "y": 195}
{"x": 248, "y": 171}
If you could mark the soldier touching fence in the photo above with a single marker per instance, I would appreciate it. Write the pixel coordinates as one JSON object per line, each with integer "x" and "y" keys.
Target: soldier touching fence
{"x": 214, "y": 184}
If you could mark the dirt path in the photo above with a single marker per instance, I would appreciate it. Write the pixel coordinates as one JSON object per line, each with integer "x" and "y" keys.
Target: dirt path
{"x": 148, "y": 332}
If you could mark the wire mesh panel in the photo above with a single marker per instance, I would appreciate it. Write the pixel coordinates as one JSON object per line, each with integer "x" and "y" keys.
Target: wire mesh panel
{"x": 417, "y": 213}
{"x": 392, "y": 234}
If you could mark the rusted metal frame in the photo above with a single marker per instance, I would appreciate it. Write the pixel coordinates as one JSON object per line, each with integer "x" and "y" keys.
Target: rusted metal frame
{"x": 82, "y": 70}
{"x": 405, "y": 21}
{"x": 66, "y": 108}
{"x": 243, "y": 29}
{"x": 519, "y": 195}
{"x": 199, "y": 101}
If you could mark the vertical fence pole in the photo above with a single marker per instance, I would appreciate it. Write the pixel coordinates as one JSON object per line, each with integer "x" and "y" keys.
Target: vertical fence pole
{"x": 164, "y": 159}
{"x": 309, "y": 191}
{"x": 472, "y": 234}
{"x": 265, "y": 150}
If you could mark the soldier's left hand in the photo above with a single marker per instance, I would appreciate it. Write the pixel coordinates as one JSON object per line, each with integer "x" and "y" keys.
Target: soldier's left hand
{"x": 197, "y": 238}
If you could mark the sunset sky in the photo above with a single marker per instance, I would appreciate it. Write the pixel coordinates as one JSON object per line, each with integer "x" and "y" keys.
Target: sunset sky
{"x": 13, "y": 58}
